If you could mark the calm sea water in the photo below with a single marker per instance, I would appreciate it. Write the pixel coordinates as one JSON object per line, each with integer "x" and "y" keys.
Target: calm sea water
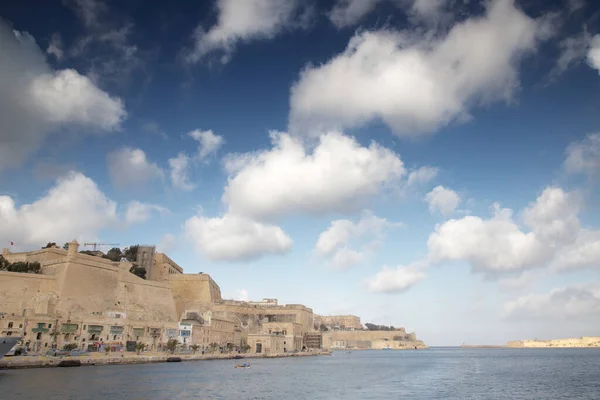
{"x": 439, "y": 373}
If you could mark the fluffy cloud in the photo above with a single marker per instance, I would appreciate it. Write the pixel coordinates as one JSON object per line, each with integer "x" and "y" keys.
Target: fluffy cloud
{"x": 395, "y": 280}
{"x": 349, "y": 12}
{"x": 129, "y": 167}
{"x": 140, "y": 212}
{"x": 35, "y": 100}
{"x": 235, "y": 238}
{"x": 179, "y": 167}
{"x": 417, "y": 83}
{"x": 583, "y": 157}
{"x": 335, "y": 242}
{"x": 242, "y": 295}
{"x": 573, "y": 302}
{"x": 55, "y": 47}
{"x": 167, "y": 243}
{"x": 421, "y": 176}
{"x": 443, "y": 200}
{"x": 556, "y": 238}
{"x": 242, "y": 21}
{"x": 338, "y": 174}
{"x": 593, "y": 55}
{"x": 208, "y": 142}
{"x": 74, "y": 208}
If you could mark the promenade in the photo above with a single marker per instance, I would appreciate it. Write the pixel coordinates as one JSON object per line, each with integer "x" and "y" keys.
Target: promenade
{"x": 132, "y": 358}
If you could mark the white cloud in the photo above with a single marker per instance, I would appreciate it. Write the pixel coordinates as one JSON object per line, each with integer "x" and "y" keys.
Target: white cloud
{"x": 235, "y": 238}
{"x": 422, "y": 175}
{"x": 179, "y": 172}
{"x": 583, "y": 157}
{"x": 443, "y": 200}
{"x": 209, "y": 143}
{"x": 167, "y": 243}
{"x": 74, "y": 208}
{"x": 35, "y": 100}
{"x": 338, "y": 174}
{"x": 573, "y": 302}
{"x": 593, "y": 55}
{"x": 243, "y": 21}
{"x": 334, "y": 243}
{"x": 414, "y": 83}
{"x": 242, "y": 295}
{"x": 349, "y": 12}
{"x": 555, "y": 240}
{"x": 395, "y": 280}
{"x": 55, "y": 46}
{"x": 129, "y": 167}
{"x": 140, "y": 212}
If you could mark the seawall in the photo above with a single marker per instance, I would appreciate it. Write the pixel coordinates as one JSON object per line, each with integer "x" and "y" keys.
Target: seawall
{"x": 23, "y": 362}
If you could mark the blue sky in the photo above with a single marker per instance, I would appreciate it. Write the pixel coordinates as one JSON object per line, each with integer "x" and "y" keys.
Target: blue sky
{"x": 427, "y": 164}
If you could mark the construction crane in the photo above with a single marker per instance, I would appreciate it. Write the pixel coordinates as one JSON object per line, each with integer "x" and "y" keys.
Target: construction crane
{"x": 100, "y": 244}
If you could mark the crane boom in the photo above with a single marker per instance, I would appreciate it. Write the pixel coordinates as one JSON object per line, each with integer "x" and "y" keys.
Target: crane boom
{"x": 100, "y": 244}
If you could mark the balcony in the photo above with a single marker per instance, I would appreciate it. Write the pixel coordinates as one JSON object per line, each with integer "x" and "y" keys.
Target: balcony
{"x": 138, "y": 332}
{"x": 116, "y": 330}
{"x": 95, "y": 328}
{"x": 40, "y": 329}
{"x": 69, "y": 328}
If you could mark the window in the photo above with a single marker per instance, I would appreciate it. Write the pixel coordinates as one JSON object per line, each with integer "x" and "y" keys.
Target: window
{"x": 49, "y": 326}
{"x": 20, "y": 325}
{"x": 10, "y": 324}
{"x": 38, "y": 336}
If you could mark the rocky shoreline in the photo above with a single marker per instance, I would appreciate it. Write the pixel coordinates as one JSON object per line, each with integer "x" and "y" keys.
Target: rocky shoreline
{"x": 22, "y": 362}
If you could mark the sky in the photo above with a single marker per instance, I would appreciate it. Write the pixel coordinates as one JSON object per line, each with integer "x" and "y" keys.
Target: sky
{"x": 430, "y": 164}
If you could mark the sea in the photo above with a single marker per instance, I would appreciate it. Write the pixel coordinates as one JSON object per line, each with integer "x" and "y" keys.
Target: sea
{"x": 436, "y": 373}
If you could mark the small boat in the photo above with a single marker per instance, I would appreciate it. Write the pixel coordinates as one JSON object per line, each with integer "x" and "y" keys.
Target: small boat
{"x": 244, "y": 365}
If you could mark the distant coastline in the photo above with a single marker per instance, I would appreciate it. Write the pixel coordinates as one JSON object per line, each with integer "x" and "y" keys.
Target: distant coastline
{"x": 584, "y": 341}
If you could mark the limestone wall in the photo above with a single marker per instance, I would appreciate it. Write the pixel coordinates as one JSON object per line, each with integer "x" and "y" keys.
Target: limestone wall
{"x": 333, "y": 338}
{"x": 40, "y": 256}
{"x": 192, "y": 291}
{"x": 33, "y": 292}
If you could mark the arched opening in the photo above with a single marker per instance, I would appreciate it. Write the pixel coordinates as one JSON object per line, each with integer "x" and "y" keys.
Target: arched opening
{"x": 259, "y": 347}
{"x": 38, "y": 336}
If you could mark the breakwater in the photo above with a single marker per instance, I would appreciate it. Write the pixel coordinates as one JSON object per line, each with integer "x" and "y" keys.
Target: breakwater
{"x": 100, "y": 359}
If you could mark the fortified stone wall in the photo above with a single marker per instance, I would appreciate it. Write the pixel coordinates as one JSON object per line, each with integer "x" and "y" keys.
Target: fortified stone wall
{"x": 333, "y": 338}
{"x": 193, "y": 291}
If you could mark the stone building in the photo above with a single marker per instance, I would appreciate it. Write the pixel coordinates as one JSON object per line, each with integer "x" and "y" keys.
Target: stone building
{"x": 338, "y": 322}
{"x": 89, "y": 300}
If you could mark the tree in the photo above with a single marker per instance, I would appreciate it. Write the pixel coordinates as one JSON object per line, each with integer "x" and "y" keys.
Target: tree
{"x": 213, "y": 347}
{"x": 130, "y": 253}
{"x": 138, "y": 271}
{"x": 139, "y": 347}
{"x": 50, "y": 245}
{"x": 323, "y": 328}
{"x": 70, "y": 346}
{"x": 66, "y": 246}
{"x": 3, "y": 263}
{"x": 246, "y": 347}
{"x": 24, "y": 267}
{"x": 398, "y": 337}
{"x": 195, "y": 347}
{"x": 172, "y": 345}
{"x": 114, "y": 254}
{"x": 229, "y": 347}
{"x": 107, "y": 349}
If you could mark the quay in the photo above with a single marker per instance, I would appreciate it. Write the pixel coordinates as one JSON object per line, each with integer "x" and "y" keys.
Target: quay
{"x": 21, "y": 362}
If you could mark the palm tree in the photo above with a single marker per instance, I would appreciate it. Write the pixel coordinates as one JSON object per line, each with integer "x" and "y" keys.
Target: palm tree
{"x": 139, "y": 347}
{"x": 172, "y": 345}
{"x": 195, "y": 347}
